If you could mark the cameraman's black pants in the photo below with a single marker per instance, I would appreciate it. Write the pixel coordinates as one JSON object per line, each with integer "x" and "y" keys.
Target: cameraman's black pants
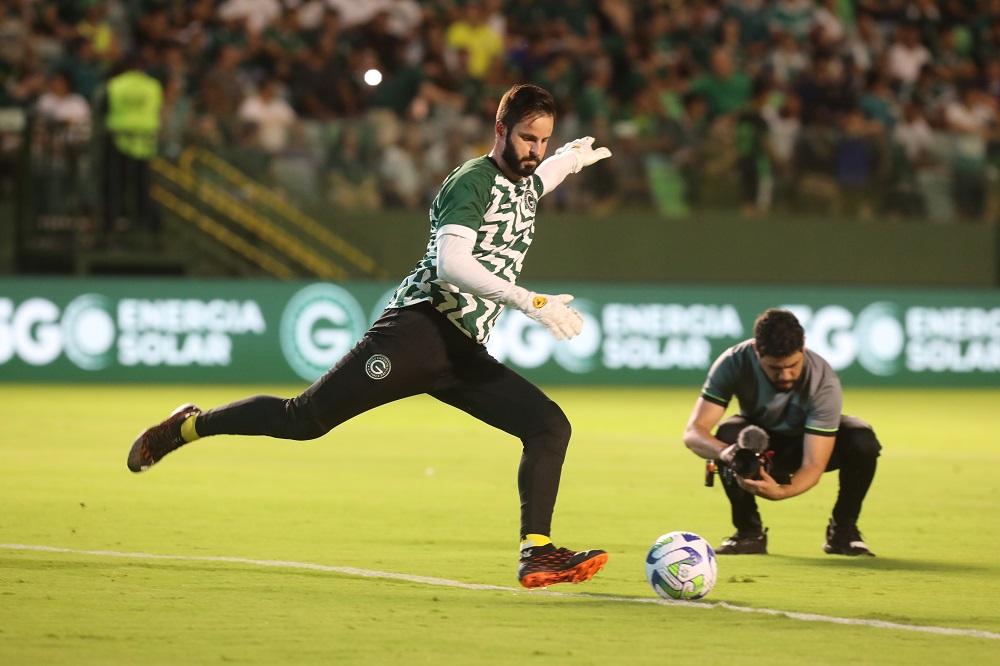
{"x": 428, "y": 354}
{"x": 855, "y": 454}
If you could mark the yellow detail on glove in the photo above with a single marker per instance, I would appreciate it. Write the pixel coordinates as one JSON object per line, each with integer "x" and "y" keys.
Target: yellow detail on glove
{"x": 539, "y": 301}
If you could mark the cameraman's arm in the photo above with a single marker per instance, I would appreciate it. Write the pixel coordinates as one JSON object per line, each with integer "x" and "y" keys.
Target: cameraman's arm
{"x": 698, "y": 433}
{"x": 816, "y": 451}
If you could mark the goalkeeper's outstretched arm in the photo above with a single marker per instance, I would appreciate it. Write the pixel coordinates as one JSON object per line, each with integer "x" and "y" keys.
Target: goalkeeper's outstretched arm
{"x": 570, "y": 158}
{"x": 457, "y": 266}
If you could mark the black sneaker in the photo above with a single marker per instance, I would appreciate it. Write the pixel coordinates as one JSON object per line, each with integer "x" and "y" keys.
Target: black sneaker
{"x": 157, "y": 441}
{"x": 546, "y": 565}
{"x": 744, "y": 544}
{"x": 845, "y": 540}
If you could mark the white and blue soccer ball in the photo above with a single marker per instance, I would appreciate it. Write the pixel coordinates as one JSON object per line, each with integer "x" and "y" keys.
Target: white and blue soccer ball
{"x": 681, "y": 565}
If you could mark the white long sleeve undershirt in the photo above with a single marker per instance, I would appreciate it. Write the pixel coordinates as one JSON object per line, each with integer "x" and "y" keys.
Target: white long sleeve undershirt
{"x": 553, "y": 170}
{"x": 457, "y": 266}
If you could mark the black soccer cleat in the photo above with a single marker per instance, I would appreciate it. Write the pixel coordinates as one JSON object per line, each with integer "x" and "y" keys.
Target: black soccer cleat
{"x": 744, "y": 544}
{"x": 157, "y": 441}
{"x": 546, "y": 565}
{"x": 845, "y": 540}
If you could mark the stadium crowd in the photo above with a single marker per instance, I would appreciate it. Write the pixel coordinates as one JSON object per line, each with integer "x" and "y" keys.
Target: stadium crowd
{"x": 867, "y": 107}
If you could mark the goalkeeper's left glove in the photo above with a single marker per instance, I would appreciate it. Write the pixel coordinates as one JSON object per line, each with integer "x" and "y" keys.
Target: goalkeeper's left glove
{"x": 552, "y": 312}
{"x": 583, "y": 152}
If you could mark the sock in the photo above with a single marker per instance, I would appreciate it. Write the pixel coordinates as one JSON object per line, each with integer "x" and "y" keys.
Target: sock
{"x": 534, "y": 540}
{"x": 188, "y": 431}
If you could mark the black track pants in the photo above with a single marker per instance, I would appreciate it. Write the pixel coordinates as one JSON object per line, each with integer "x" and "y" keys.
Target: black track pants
{"x": 424, "y": 353}
{"x": 855, "y": 454}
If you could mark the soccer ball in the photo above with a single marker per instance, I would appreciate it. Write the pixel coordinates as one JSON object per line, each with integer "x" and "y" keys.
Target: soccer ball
{"x": 681, "y": 565}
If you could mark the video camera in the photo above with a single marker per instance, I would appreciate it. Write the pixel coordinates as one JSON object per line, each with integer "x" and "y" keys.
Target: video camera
{"x": 748, "y": 460}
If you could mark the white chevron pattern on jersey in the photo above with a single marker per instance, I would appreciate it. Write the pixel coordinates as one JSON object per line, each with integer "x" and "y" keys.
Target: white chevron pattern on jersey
{"x": 505, "y": 226}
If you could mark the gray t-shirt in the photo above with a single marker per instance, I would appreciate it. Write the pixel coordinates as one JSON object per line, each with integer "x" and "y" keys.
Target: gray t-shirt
{"x": 812, "y": 406}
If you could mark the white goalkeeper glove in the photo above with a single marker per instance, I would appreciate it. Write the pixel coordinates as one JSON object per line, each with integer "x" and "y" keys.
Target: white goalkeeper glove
{"x": 552, "y": 312}
{"x": 583, "y": 152}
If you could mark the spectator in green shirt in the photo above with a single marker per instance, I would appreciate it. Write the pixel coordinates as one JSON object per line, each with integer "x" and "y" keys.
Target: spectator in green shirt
{"x": 725, "y": 89}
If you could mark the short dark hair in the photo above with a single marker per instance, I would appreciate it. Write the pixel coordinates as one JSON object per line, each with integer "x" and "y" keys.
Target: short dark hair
{"x": 777, "y": 333}
{"x": 525, "y": 100}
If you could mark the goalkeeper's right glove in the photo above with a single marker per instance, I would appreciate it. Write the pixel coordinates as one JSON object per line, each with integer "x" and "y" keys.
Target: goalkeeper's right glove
{"x": 583, "y": 152}
{"x": 552, "y": 312}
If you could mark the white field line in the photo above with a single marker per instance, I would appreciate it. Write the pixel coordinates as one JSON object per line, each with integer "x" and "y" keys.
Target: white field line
{"x": 444, "y": 582}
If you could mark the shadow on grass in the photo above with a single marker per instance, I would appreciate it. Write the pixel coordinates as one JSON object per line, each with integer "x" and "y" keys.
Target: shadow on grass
{"x": 886, "y": 563}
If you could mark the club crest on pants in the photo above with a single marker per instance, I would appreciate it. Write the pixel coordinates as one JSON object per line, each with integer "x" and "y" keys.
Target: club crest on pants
{"x": 378, "y": 366}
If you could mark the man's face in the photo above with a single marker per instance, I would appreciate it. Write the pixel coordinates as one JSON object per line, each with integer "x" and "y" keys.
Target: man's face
{"x": 783, "y": 372}
{"x": 59, "y": 86}
{"x": 722, "y": 64}
{"x": 525, "y": 144}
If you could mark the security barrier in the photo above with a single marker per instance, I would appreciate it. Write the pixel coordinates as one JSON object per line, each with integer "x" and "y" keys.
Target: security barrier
{"x": 291, "y": 332}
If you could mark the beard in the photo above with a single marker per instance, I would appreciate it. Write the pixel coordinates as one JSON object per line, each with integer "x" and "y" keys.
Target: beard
{"x": 523, "y": 167}
{"x": 784, "y": 387}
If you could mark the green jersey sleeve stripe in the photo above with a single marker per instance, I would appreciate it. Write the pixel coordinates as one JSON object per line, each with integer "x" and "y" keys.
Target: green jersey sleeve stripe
{"x": 828, "y": 432}
{"x": 722, "y": 402}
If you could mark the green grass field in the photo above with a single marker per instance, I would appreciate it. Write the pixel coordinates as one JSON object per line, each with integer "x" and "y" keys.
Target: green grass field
{"x": 421, "y": 489}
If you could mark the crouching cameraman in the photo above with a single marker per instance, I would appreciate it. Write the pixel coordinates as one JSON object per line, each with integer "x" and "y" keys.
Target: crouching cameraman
{"x": 789, "y": 431}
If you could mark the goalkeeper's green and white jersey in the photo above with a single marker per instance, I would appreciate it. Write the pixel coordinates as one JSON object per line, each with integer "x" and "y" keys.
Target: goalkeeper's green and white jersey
{"x": 502, "y": 213}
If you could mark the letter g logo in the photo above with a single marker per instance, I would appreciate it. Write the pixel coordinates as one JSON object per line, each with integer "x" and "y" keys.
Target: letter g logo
{"x": 319, "y": 325}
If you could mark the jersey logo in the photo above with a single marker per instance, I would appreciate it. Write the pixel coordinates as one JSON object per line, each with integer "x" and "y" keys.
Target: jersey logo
{"x": 378, "y": 367}
{"x": 530, "y": 201}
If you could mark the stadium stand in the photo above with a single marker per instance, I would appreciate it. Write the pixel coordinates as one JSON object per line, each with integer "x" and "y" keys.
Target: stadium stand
{"x": 864, "y": 109}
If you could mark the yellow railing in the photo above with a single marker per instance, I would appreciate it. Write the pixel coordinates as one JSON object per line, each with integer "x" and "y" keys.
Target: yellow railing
{"x": 245, "y": 216}
{"x": 281, "y": 206}
{"x": 212, "y": 228}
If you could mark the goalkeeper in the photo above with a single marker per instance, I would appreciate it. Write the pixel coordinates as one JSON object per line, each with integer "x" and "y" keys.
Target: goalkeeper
{"x": 790, "y": 400}
{"x": 431, "y": 337}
